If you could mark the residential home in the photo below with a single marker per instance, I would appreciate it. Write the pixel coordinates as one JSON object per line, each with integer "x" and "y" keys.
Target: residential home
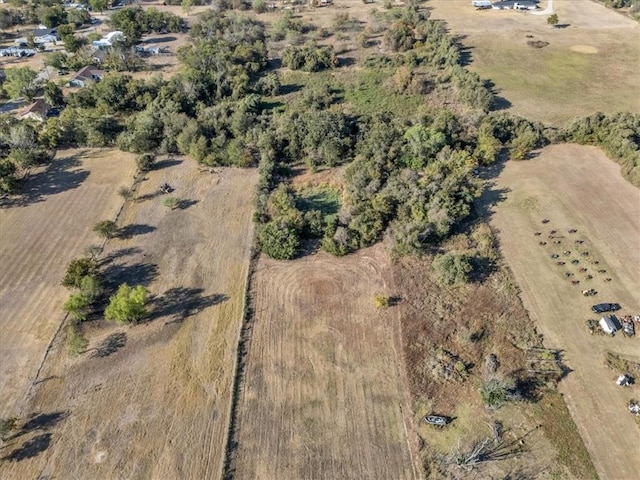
{"x": 38, "y": 110}
{"x": 86, "y": 75}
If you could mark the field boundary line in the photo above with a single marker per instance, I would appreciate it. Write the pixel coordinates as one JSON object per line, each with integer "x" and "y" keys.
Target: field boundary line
{"x": 242, "y": 350}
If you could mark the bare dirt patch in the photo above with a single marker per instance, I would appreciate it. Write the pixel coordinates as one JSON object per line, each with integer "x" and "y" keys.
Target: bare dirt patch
{"x": 41, "y": 231}
{"x": 577, "y": 188}
{"x": 588, "y": 49}
{"x": 323, "y": 394}
{"x": 153, "y": 400}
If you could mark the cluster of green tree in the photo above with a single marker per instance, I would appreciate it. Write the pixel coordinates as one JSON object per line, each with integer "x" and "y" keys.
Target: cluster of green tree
{"x": 83, "y": 278}
{"x": 10, "y": 17}
{"x": 618, "y": 135}
{"x": 518, "y": 134}
{"x": 136, "y": 21}
{"x": 414, "y": 182}
{"x": 209, "y": 111}
{"x": 309, "y": 57}
{"x": 425, "y": 43}
{"x": 224, "y": 57}
{"x": 20, "y": 151}
{"x": 52, "y": 13}
{"x": 289, "y": 27}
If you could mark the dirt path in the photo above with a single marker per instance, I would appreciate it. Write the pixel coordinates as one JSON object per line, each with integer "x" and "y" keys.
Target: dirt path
{"x": 152, "y": 401}
{"x": 577, "y": 187}
{"x": 323, "y": 395}
{"x": 547, "y": 11}
{"x": 37, "y": 240}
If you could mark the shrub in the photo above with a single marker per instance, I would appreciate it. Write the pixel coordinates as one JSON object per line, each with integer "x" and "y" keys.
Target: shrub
{"x": 380, "y": 300}
{"x": 259, "y": 6}
{"x": 77, "y": 270}
{"x": 494, "y": 392}
{"x": 76, "y": 342}
{"x": 171, "y": 202}
{"x": 106, "y": 229}
{"x": 127, "y": 305}
{"x": 145, "y": 161}
{"x": 309, "y": 58}
{"x": 451, "y": 269}
{"x": 125, "y": 192}
{"x": 278, "y": 241}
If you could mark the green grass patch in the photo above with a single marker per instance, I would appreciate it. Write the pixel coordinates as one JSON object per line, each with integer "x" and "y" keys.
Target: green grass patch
{"x": 552, "y": 414}
{"x": 366, "y": 93}
{"x": 325, "y": 199}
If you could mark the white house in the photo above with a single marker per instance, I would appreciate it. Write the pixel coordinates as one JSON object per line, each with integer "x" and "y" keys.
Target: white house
{"x": 44, "y": 39}
{"x": 108, "y": 39}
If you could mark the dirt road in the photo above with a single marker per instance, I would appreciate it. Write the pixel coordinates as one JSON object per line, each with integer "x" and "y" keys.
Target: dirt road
{"x": 576, "y": 187}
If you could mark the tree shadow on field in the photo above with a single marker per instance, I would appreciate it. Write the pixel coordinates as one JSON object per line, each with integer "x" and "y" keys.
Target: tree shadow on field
{"x": 165, "y": 39}
{"x": 491, "y": 194}
{"x": 110, "y": 345}
{"x": 122, "y": 252}
{"x": 166, "y": 163}
{"x": 184, "y": 204}
{"x": 134, "y": 229}
{"x": 466, "y": 56}
{"x": 132, "y": 274}
{"x": 30, "y": 448}
{"x": 182, "y": 302}
{"x": 42, "y": 421}
{"x": 61, "y": 175}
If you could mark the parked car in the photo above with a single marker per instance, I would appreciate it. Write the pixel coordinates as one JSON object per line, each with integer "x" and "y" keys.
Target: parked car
{"x": 605, "y": 307}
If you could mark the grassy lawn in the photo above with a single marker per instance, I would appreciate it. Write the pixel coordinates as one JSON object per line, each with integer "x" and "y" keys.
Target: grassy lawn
{"x": 366, "y": 92}
{"x": 325, "y": 199}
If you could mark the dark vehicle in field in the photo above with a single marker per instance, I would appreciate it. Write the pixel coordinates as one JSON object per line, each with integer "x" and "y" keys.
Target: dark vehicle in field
{"x": 605, "y": 307}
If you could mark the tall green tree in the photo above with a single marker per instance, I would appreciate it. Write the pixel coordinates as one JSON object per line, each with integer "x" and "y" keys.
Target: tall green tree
{"x": 99, "y": 5}
{"x": 53, "y": 94}
{"x": 127, "y": 305}
{"x": 20, "y": 82}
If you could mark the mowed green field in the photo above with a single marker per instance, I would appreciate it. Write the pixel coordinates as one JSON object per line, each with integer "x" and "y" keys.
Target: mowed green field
{"x": 591, "y": 62}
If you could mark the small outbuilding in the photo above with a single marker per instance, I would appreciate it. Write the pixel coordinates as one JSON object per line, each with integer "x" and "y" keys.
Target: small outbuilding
{"x": 624, "y": 381}
{"x": 609, "y": 324}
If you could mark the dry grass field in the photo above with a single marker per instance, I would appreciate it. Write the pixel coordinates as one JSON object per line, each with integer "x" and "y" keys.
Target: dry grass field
{"x": 576, "y": 187}
{"x": 591, "y": 63}
{"x": 324, "y": 395}
{"x": 39, "y": 235}
{"x": 152, "y": 400}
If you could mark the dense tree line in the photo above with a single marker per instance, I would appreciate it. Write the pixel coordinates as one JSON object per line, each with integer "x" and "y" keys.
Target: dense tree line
{"x": 618, "y": 135}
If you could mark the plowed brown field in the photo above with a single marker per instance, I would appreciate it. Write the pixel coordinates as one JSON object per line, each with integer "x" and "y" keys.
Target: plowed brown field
{"x": 324, "y": 394}
{"x": 38, "y": 237}
{"x": 152, "y": 401}
{"x": 576, "y": 187}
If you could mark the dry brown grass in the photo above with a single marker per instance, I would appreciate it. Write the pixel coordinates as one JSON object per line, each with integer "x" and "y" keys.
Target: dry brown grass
{"x": 158, "y": 405}
{"x": 576, "y": 187}
{"x": 590, "y": 65}
{"x": 40, "y": 233}
{"x": 323, "y": 395}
